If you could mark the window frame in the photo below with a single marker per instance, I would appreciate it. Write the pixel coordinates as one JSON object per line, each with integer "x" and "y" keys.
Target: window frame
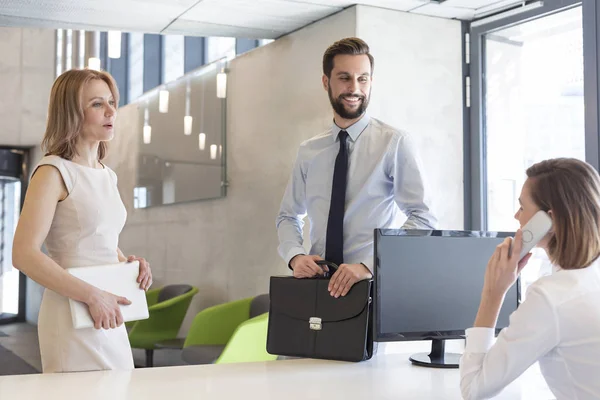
{"x": 474, "y": 146}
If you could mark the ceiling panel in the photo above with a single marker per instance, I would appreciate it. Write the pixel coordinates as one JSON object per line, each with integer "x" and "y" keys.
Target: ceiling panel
{"x": 470, "y": 3}
{"x": 50, "y": 24}
{"x": 465, "y": 9}
{"x": 193, "y": 28}
{"x": 274, "y": 15}
{"x": 330, "y": 3}
{"x": 151, "y": 15}
{"x": 498, "y": 5}
{"x": 267, "y": 19}
{"x": 443, "y": 11}
{"x": 400, "y": 5}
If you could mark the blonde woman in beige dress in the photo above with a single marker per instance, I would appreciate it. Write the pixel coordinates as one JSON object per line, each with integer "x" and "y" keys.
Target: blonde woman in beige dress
{"x": 73, "y": 205}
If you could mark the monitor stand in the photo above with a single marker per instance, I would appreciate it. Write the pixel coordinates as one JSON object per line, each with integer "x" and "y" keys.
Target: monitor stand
{"x": 437, "y": 358}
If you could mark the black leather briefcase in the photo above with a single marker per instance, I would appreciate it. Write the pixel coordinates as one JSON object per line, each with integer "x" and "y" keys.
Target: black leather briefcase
{"x": 306, "y": 321}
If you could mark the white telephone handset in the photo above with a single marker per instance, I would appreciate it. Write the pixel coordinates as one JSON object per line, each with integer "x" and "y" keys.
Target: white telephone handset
{"x": 534, "y": 231}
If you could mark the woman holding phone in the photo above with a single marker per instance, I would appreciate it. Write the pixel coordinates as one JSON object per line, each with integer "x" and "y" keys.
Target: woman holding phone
{"x": 558, "y": 323}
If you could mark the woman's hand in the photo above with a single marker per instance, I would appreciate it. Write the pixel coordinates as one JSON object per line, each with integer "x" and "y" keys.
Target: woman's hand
{"x": 145, "y": 275}
{"x": 503, "y": 269}
{"x": 104, "y": 309}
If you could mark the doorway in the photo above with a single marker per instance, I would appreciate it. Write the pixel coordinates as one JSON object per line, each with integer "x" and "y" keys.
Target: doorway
{"x": 13, "y": 182}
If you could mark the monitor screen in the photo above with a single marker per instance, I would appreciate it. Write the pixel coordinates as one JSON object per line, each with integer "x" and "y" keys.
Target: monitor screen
{"x": 428, "y": 283}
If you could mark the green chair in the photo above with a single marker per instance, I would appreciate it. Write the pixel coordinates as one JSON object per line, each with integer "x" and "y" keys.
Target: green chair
{"x": 248, "y": 343}
{"x": 167, "y": 308}
{"x": 211, "y": 335}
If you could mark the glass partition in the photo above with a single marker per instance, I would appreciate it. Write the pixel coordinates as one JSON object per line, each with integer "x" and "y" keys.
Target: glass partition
{"x": 181, "y": 141}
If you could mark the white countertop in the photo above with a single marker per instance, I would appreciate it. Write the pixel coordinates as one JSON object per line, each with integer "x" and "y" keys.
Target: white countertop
{"x": 387, "y": 376}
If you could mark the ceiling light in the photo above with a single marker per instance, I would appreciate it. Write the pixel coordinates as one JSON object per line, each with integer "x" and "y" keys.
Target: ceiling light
{"x": 94, "y": 63}
{"x": 187, "y": 125}
{"x": 147, "y": 134}
{"x": 222, "y": 84}
{"x": 163, "y": 101}
{"x": 92, "y": 49}
{"x": 187, "y": 120}
{"x": 114, "y": 44}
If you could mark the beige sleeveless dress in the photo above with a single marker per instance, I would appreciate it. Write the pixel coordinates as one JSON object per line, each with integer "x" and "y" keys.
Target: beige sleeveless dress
{"x": 84, "y": 232}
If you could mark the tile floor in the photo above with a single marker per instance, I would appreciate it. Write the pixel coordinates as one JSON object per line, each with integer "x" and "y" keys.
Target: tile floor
{"x": 22, "y": 340}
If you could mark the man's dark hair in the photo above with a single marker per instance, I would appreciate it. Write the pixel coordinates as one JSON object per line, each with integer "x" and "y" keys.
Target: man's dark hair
{"x": 349, "y": 46}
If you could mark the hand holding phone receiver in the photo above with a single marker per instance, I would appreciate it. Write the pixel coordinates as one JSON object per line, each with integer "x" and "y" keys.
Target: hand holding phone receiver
{"x": 534, "y": 230}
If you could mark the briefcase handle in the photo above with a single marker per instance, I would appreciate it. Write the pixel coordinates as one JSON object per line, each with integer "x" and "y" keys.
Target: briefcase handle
{"x": 331, "y": 265}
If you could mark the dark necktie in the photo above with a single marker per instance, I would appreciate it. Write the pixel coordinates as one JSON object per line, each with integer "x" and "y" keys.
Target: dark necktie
{"x": 334, "y": 251}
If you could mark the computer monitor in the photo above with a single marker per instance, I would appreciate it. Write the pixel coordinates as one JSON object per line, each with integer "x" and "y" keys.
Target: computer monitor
{"x": 428, "y": 286}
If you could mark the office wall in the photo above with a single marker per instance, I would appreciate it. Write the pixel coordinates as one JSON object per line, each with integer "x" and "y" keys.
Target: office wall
{"x": 228, "y": 247}
{"x": 417, "y": 87}
{"x": 27, "y": 66}
{"x": 26, "y": 76}
{"x": 173, "y": 167}
{"x": 179, "y": 182}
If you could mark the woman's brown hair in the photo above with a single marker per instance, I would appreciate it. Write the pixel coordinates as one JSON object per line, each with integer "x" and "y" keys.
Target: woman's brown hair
{"x": 65, "y": 112}
{"x": 570, "y": 189}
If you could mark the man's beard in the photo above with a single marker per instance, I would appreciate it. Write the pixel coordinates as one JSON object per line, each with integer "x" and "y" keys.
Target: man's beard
{"x": 340, "y": 109}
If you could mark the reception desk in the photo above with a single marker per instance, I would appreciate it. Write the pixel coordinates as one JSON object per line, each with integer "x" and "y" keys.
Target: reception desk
{"x": 387, "y": 376}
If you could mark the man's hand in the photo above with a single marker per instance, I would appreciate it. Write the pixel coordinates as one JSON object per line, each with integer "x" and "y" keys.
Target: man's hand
{"x": 345, "y": 277}
{"x": 306, "y": 267}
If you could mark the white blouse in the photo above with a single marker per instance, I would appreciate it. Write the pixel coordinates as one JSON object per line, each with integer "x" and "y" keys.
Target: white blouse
{"x": 558, "y": 324}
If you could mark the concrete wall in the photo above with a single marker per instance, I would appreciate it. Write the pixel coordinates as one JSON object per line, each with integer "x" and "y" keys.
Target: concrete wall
{"x": 173, "y": 167}
{"x": 417, "y": 87}
{"x": 27, "y": 68}
{"x": 26, "y": 76}
{"x": 228, "y": 247}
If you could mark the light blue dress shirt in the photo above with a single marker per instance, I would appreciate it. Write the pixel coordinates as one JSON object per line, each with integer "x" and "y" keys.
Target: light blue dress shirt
{"x": 384, "y": 182}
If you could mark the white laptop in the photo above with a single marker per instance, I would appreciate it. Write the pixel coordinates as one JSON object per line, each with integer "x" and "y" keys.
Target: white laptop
{"x": 119, "y": 279}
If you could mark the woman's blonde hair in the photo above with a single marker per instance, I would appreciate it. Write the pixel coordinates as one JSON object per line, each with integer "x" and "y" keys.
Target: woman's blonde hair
{"x": 65, "y": 111}
{"x": 570, "y": 188}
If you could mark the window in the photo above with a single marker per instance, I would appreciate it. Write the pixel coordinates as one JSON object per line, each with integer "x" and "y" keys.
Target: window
{"x": 136, "y": 66}
{"x": 140, "y": 197}
{"x": 10, "y": 200}
{"x": 59, "y": 52}
{"x": 220, "y": 47}
{"x": 533, "y": 106}
{"x": 263, "y": 42}
{"x": 173, "y": 57}
{"x": 69, "y": 50}
{"x": 527, "y": 105}
{"x": 534, "y": 111}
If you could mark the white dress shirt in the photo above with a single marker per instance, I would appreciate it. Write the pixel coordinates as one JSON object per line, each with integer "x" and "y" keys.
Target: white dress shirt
{"x": 384, "y": 182}
{"x": 558, "y": 324}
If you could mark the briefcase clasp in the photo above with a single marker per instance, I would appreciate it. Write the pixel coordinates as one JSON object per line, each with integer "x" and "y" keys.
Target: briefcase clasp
{"x": 315, "y": 323}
